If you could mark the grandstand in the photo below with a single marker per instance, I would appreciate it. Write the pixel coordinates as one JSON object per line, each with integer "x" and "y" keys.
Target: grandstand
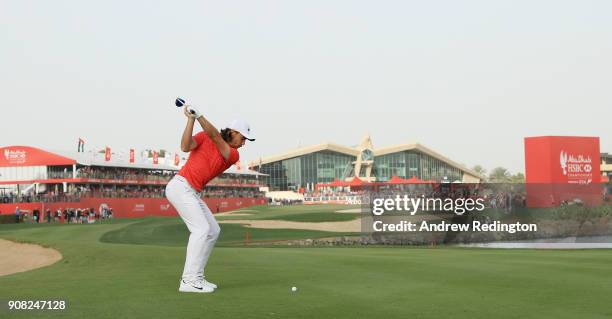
{"x": 36, "y": 179}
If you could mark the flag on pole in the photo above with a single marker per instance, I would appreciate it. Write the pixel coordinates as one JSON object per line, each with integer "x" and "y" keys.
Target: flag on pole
{"x": 81, "y": 146}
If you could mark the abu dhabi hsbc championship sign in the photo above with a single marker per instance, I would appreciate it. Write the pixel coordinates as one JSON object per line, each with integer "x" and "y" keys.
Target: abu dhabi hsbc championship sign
{"x": 562, "y": 168}
{"x": 578, "y": 168}
{"x": 15, "y": 156}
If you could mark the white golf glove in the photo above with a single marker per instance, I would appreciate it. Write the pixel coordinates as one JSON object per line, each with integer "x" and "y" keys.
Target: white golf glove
{"x": 193, "y": 112}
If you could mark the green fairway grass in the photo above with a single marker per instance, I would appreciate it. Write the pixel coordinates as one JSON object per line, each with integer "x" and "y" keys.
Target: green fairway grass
{"x": 131, "y": 269}
{"x": 173, "y": 232}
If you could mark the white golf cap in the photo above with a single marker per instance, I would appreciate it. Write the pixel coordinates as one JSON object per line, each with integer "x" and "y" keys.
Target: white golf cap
{"x": 243, "y": 128}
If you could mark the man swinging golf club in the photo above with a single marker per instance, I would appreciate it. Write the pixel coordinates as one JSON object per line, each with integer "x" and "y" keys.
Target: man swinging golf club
{"x": 211, "y": 152}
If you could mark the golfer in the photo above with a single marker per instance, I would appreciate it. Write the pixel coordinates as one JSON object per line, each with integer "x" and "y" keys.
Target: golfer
{"x": 211, "y": 153}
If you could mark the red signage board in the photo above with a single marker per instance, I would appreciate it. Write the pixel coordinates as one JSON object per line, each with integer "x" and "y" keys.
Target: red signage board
{"x": 131, "y": 207}
{"x": 562, "y": 168}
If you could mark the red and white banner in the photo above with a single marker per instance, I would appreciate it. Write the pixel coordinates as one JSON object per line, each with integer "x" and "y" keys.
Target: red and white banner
{"x": 107, "y": 154}
{"x": 29, "y": 156}
{"x": 155, "y": 157}
{"x": 562, "y": 168}
{"x": 177, "y": 159}
{"x": 562, "y": 159}
{"x": 133, "y": 207}
{"x": 131, "y": 155}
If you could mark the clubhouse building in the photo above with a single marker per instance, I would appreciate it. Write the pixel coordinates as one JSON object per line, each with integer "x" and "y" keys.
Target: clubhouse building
{"x": 306, "y": 167}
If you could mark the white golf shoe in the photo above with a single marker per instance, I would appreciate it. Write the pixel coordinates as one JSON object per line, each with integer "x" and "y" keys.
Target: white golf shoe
{"x": 208, "y": 283}
{"x": 195, "y": 286}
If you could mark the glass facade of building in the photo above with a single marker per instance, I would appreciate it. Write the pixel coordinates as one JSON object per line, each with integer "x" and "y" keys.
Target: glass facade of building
{"x": 412, "y": 163}
{"x": 308, "y": 169}
{"x": 326, "y": 166}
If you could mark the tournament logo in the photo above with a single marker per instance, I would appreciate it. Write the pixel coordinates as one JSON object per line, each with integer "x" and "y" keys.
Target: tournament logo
{"x": 15, "y": 156}
{"x": 577, "y": 167}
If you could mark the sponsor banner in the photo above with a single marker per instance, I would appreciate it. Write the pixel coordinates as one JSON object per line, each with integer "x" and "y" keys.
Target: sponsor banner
{"x": 578, "y": 168}
{"x": 111, "y": 181}
{"x": 29, "y": 156}
{"x": 559, "y": 167}
{"x": 107, "y": 154}
{"x": 132, "y": 207}
{"x": 562, "y": 159}
{"x": 132, "y": 155}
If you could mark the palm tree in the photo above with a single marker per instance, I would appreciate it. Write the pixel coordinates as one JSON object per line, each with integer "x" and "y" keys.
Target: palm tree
{"x": 518, "y": 178}
{"x": 500, "y": 175}
{"x": 480, "y": 170}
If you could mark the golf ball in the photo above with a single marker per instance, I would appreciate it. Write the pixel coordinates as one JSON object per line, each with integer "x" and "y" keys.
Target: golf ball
{"x": 294, "y": 289}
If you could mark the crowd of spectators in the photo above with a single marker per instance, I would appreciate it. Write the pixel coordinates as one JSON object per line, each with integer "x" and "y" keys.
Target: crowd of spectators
{"x": 124, "y": 174}
{"x": 284, "y": 202}
{"x": 502, "y": 199}
{"x": 237, "y": 181}
{"x": 125, "y": 191}
{"x": 65, "y": 215}
{"x": 320, "y": 196}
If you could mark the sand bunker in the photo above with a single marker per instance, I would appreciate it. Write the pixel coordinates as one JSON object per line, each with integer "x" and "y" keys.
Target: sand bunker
{"x": 242, "y": 212}
{"x": 351, "y": 211}
{"x": 348, "y": 226}
{"x": 18, "y": 257}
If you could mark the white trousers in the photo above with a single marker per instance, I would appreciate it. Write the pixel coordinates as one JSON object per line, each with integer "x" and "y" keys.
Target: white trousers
{"x": 200, "y": 222}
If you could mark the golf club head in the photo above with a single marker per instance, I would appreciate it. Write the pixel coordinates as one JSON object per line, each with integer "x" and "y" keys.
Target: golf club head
{"x": 180, "y": 102}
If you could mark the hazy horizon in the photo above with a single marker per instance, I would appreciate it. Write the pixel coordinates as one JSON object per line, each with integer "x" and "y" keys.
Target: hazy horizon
{"x": 467, "y": 79}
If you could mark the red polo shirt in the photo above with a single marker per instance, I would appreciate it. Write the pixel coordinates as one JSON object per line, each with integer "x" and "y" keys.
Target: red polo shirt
{"x": 206, "y": 162}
